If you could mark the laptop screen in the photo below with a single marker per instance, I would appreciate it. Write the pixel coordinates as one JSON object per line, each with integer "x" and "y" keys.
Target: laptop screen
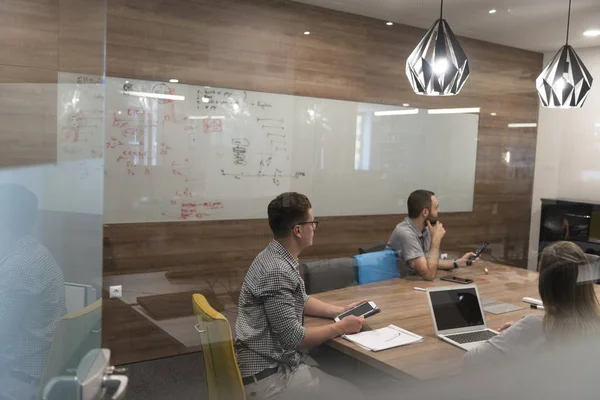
{"x": 458, "y": 308}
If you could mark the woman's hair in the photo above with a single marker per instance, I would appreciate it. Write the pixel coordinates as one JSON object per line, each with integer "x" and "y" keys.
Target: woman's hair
{"x": 567, "y": 291}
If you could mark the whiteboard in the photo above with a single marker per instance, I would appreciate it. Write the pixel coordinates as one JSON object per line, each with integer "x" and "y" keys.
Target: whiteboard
{"x": 217, "y": 153}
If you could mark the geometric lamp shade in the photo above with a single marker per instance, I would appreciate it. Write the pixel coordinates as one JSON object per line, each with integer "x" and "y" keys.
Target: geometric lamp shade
{"x": 438, "y": 66}
{"x": 565, "y": 82}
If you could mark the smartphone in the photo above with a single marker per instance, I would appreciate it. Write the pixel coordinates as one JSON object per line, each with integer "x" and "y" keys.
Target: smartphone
{"x": 365, "y": 309}
{"x": 477, "y": 253}
{"x": 456, "y": 279}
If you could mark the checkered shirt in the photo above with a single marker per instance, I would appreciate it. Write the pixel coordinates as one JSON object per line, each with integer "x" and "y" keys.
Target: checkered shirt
{"x": 270, "y": 312}
{"x": 32, "y": 302}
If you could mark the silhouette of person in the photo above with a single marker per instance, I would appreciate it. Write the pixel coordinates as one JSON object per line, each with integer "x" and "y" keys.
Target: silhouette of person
{"x": 32, "y": 295}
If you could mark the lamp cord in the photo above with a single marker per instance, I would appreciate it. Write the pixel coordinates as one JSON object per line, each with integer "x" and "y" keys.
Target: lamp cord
{"x": 568, "y": 21}
{"x": 442, "y": 7}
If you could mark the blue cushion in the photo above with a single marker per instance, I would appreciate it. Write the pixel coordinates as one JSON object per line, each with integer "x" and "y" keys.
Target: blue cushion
{"x": 377, "y": 266}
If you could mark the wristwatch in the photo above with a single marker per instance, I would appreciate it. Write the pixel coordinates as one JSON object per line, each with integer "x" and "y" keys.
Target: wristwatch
{"x": 455, "y": 263}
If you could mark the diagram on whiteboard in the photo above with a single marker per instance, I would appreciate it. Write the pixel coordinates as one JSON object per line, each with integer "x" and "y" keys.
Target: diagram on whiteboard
{"x": 272, "y": 158}
{"x": 202, "y": 153}
{"x": 80, "y": 118}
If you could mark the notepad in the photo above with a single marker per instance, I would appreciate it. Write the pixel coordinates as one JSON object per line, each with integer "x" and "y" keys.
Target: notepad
{"x": 497, "y": 307}
{"x": 384, "y": 338}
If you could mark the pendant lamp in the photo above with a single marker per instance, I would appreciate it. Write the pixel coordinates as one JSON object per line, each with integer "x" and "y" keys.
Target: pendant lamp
{"x": 565, "y": 82}
{"x": 438, "y": 66}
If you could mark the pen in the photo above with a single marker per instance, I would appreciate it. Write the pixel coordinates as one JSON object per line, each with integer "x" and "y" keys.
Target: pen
{"x": 393, "y": 337}
{"x": 536, "y": 307}
{"x": 420, "y": 289}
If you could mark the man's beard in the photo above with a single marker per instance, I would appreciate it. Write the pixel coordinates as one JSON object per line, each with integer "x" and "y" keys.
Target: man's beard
{"x": 432, "y": 220}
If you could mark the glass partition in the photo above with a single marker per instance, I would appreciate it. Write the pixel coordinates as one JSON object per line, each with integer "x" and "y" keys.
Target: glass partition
{"x": 51, "y": 186}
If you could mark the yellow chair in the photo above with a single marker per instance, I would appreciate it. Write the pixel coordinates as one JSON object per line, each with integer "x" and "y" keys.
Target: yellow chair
{"x": 223, "y": 377}
{"x": 76, "y": 334}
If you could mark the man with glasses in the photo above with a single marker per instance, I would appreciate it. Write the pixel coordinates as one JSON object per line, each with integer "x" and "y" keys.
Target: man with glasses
{"x": 272, "y": 303}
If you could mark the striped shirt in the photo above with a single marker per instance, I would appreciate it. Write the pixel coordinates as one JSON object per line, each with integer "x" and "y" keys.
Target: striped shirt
{"x": 270, "y": 312}
{"x": 32, "y": 302}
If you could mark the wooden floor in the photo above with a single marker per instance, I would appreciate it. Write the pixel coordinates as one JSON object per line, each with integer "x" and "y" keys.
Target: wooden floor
{"x": 174, "y": 334}
{"x": 122, "y": 326}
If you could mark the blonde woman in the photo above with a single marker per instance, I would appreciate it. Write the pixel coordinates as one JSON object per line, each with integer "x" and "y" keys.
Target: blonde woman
{"x": 566, "y": 287}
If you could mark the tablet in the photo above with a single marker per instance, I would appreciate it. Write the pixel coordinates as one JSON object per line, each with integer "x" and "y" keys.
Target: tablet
{"x": 365, "y": 309}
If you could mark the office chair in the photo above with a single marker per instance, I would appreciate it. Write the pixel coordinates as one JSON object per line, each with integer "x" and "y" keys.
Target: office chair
{"x": 372, "y": 248}
{"x": 76, "y": 334}
{"x": 377, "y": 266}
{"x": 594, "y": 266}
{"x": 324, "y": 275}
{"x": 223, "y": 377}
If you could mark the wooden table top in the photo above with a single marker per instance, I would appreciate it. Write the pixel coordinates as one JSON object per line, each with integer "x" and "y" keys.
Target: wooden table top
{"x": 407, "y": 308}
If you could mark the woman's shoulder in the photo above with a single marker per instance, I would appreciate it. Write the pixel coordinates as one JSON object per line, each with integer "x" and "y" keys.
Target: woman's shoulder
{"x": 529, "y": 322}
{"x": 522, "y": 338}
{"x": 525, "y": 332}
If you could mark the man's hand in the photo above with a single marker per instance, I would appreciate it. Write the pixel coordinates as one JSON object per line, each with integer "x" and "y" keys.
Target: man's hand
{"x": 351, "y": 324}
{"x": 462, "y": 262}
{"x": 506, "y": 326}
{"x": 340, "y": 310}
{"x": 437, "y": 231}
{"x": 351, "y": 306}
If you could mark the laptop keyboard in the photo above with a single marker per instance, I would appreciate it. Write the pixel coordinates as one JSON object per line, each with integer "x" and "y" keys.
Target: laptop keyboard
{"x": 471, "y": 337}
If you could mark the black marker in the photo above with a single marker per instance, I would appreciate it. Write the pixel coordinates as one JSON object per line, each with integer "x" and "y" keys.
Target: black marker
{"x": 536, "y": 307}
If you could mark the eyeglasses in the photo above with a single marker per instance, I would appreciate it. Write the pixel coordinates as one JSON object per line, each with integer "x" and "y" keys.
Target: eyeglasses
{"x": 315, "y": 223}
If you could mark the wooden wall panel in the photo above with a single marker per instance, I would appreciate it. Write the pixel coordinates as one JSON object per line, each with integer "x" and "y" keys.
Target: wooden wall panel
{"x": 29, "y": 33}
{"x": 259, "y": 45}
{"x": 82, "y": 36}
{"x": 39, "y": 38}
{"x": 28, "y": 71}
{"x": 28, "y": 116}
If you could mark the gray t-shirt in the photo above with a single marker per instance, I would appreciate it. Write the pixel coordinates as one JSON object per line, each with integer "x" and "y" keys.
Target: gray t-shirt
{"x": 522, "y": 339}
{"x": 409, "y": 243}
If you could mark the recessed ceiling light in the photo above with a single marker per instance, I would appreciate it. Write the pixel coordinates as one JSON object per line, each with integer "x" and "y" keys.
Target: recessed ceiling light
{"x": 151, "y": 95}
{"x": 307, "y": 32}
{"x": 454, "y": 110}
{"x": 396, "y": 112}
{"x": 493, "y": 114}
{"x": 174, "y": 80}
{"x": 389, "y": 23}
{"x": 405, "y": 105}
{"x": 492, "y": 11}
{"x": 523, "y": 125}
{"x": 592, "y": 33}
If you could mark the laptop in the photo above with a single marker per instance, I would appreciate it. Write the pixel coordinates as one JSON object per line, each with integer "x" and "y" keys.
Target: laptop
{"x": 458, "y": 316}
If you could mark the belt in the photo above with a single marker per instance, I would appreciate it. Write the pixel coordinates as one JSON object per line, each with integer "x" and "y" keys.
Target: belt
{"x": 265, "y": 373}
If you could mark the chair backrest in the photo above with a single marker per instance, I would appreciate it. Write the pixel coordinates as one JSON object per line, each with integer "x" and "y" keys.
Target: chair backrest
{"x": 377, "y": 266}
{"x": 223, "y": 378}
{"x": 79, "y": 296}
{"x": 594, "y": 262}
{"x": 76, "y": 334}
{"x": 592, "y": 258}
{"x": 372, "y": 248}
{"x": 323, "y": 275}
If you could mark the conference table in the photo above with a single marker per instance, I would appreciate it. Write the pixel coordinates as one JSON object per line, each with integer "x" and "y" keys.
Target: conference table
{"x": 408, "y": 308}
